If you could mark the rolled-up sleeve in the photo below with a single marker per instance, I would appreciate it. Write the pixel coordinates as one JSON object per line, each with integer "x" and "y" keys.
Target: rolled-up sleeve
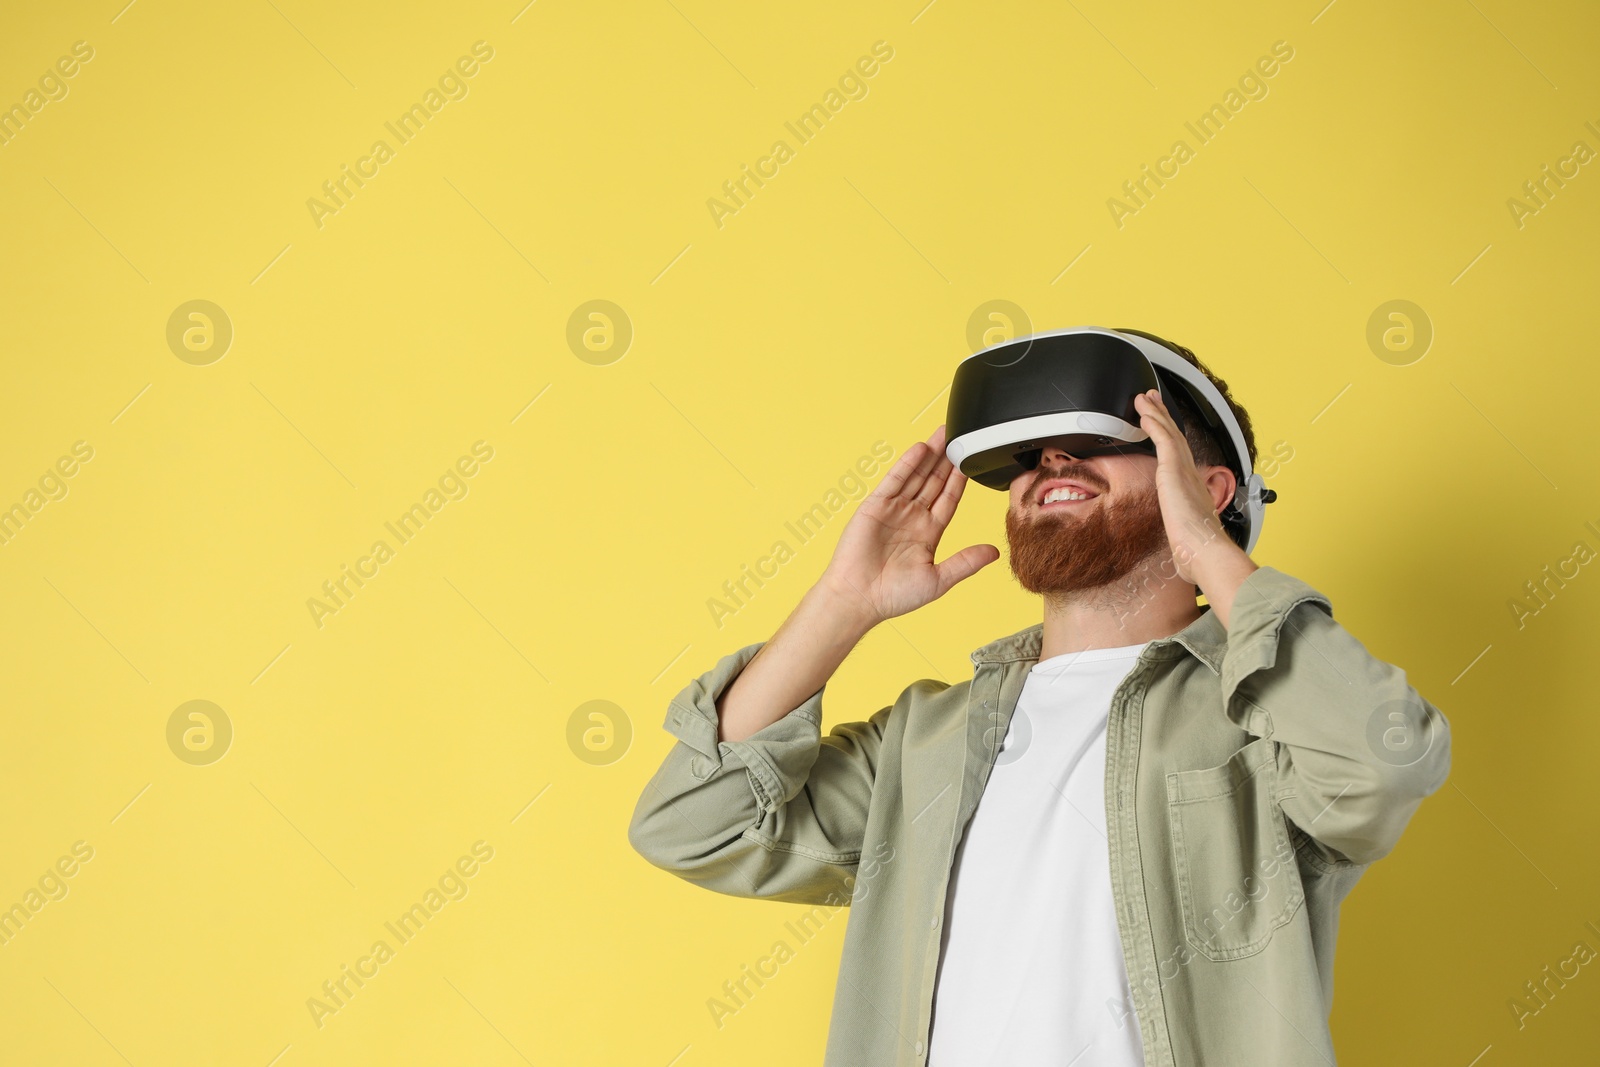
{"x": 778, "y": 815}
{"x": 1357, "y": 747}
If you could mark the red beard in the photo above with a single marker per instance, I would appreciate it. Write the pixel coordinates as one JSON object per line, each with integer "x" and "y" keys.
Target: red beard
{"x": 1058, "y": 552}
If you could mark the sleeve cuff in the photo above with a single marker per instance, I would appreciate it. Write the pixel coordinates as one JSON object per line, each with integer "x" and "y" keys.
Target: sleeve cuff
{"x": 692, "y": 719}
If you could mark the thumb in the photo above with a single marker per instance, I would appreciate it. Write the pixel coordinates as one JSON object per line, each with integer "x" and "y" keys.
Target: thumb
{"x": 964, "y": 564}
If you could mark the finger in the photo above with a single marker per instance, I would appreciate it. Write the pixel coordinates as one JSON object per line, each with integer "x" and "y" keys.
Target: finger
{"x": 1152, "y": 410}
{"x": 1150, "y": 424}
{"x": 926, "y": 462}
{"x": 895, "y": 481}
{"x": 934, "y": 486}
{"x": 1158, "y": 424}
{"x": 944, "y": 508}
{"x": 964, "y": 564}
{"x": 1170, "y": 424}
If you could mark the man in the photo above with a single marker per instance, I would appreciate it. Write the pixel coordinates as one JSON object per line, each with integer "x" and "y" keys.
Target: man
{"x": 1125, "y": 840}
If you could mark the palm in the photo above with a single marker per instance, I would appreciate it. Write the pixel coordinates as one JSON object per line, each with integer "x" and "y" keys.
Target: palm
{"x": 886, "y": 552}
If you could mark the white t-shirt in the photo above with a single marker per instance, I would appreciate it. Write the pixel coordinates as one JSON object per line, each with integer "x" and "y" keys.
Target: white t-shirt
{"x": 1031, "y": 971}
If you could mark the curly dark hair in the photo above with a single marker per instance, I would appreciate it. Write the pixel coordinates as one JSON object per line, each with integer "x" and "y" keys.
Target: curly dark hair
{"x": 1208, "y": 451}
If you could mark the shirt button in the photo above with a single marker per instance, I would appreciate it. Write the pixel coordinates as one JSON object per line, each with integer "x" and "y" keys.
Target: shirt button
{"x": 934, "y": 921}
{"x": 920, "y": 1048}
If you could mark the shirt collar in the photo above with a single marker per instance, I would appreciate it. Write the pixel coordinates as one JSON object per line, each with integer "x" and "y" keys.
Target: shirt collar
{"x": 1205, "y": 638}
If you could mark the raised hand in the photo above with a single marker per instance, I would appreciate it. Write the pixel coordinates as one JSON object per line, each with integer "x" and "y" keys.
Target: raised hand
{"x": 884, "y": 559}
{"x": 1188, "y": 511}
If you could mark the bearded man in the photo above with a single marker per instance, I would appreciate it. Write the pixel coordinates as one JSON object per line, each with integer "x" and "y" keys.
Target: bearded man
{"x": 1124, "y": 840}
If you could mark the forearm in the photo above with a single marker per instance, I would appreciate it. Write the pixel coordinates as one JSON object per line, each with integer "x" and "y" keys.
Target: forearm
{"x": 805, "y": 652}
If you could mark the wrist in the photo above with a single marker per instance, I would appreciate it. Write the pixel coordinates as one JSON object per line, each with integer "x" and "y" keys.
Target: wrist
{"x": 1220, "y": 562}
{"x": 844, "y": 606}
{"x": 1219, "y": 576}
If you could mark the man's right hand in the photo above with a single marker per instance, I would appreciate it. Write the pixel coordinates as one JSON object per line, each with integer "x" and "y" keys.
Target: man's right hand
{"x": 883, "y": 563}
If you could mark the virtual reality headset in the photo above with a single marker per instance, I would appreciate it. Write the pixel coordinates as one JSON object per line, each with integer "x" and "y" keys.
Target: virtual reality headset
{"x": 1074, "y": 388}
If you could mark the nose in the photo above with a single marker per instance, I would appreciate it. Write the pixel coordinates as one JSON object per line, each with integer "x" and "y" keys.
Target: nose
{"x": 1053, "y": 454}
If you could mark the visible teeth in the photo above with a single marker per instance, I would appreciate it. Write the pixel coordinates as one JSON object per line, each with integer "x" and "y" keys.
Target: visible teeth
{"x": 1064, "y": 494}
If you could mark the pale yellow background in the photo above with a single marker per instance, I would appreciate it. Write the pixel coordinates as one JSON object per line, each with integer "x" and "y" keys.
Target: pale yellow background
{"x": 768, "y": 356}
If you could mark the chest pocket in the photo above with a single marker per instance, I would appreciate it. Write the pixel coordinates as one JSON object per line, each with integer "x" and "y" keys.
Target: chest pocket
{"x": 1235, "y": 867}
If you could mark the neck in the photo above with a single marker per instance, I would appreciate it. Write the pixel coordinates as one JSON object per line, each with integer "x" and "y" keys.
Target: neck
{"x": 1145, "y": 605}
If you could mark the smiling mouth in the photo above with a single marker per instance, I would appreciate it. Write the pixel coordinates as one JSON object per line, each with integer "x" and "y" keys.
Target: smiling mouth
{"x": 1066, "y": 496}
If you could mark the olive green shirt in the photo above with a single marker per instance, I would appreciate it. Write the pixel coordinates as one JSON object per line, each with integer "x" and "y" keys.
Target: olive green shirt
{"x": 1252, "y": 775}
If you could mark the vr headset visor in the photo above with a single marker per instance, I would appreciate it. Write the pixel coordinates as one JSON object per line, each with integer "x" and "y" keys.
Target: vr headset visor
{"x": 1074, "y": 388}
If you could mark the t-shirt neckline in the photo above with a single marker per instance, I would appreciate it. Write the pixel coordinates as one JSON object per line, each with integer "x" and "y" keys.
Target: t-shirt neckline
{"x": 1089, "y": 655}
